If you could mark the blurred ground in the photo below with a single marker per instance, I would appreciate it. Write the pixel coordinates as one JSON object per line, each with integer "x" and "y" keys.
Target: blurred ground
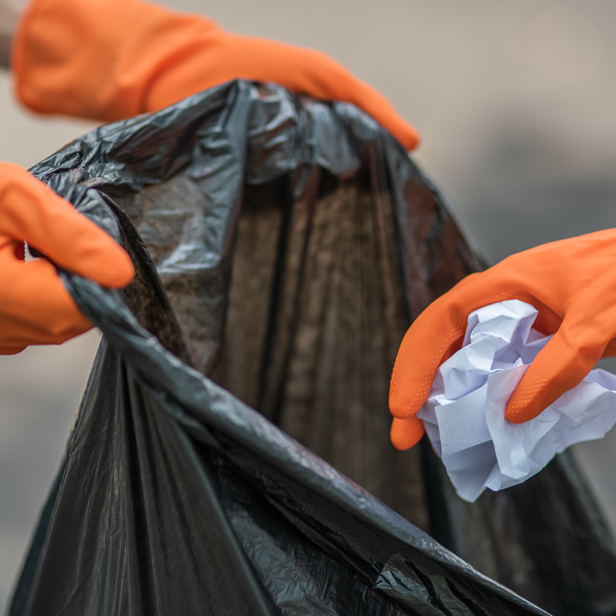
{"x": 515, "y": 105}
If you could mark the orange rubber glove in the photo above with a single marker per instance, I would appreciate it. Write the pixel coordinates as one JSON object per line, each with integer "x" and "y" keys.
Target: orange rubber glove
{"x": 35, "y": 307}
{"x": 112, "y": 59}
{"x": 572, "y": 283}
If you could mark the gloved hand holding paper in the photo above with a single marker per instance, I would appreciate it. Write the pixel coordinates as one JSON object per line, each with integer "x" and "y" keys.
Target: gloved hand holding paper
{"x": 464, "y": 414}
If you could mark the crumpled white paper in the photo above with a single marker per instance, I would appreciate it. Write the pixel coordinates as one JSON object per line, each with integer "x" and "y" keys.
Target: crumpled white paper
{"x": 464, "y": 414}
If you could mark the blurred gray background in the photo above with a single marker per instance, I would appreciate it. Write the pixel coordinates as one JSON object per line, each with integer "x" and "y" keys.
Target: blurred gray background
{"x": 515, "y": 104}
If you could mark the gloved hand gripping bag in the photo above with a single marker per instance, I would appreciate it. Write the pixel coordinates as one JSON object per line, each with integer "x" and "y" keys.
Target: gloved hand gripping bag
{"x": 282, "y": 247}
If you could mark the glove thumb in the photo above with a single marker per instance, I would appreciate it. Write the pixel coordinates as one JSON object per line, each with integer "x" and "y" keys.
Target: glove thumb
{"x": 558, "y": 367}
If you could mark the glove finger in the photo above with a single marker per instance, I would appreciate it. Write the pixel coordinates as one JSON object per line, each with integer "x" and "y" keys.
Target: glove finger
{"x": 306, "y": 71}
{"x": 31, "y": 212}
{"x": 430, "y": 340}
{"x": 610, "y": 349}
{"x": 563, "y": 363}
{"x": 405, "y": 433}
{"x": 332, "y": 81}
{"x": 35, "y": 307}
{"x": 11, "y": 350}
{"x": 378, "y": 107}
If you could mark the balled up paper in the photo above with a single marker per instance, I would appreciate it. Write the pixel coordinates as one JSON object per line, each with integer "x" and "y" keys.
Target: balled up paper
{"x": 464, "y": 415}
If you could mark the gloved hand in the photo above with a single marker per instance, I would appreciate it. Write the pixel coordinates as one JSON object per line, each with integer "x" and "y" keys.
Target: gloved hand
{"x": 112, "y": 59}
{"x": 572, "y": 283}
{"x": 35, "y": 307}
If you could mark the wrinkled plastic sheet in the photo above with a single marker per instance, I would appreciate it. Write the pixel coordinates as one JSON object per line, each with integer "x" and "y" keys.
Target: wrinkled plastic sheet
{"x": 174, "y": 497}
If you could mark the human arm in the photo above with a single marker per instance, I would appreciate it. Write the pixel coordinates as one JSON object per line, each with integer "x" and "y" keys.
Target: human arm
{"x": 572, "y": 283}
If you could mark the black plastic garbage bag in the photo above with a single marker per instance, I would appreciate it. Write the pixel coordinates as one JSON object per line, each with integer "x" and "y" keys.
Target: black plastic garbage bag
{"x": 289, "y": 244}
